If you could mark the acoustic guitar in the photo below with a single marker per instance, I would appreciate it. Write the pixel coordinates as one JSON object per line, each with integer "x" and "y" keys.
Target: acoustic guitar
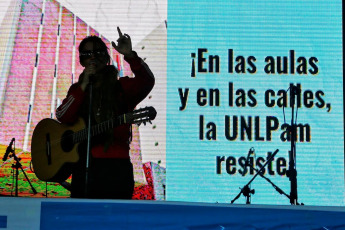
{"x": 54, "y": 145}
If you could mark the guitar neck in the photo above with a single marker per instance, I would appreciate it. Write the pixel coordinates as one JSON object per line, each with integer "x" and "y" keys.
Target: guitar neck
{"x": 101, "y": 127}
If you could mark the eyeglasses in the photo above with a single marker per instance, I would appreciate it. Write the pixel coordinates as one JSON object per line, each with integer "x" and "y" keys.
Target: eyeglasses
{"x": 89, "y": 53}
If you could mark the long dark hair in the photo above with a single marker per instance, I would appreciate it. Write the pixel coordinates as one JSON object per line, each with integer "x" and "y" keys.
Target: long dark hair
{"x": 95, "y": 40}
{"x": 111, "y": 89}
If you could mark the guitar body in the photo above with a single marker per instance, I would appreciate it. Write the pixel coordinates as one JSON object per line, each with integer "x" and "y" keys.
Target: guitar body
{"x": 53, "y": 151}
{"x": 54, "y": 147}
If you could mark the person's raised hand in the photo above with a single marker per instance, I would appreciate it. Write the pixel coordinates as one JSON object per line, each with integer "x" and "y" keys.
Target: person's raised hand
{"x": 124, "y": 44}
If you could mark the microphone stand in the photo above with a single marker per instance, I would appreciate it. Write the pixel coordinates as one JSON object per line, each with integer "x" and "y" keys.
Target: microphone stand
{"x": 246, "y": 191}
{"x": 88, "y": 150}
{"x": 280, "y": 191}
{"x": 17, "y": 166}
{"x": 292, "y": 172}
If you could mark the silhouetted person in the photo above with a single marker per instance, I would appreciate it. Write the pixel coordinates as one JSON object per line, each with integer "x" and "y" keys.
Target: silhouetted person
{"x": 110, "y": 171}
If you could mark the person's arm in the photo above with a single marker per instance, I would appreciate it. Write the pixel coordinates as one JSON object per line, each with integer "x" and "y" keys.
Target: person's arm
{"x": 67, "y": 112}
{"x": 137, "y": 88}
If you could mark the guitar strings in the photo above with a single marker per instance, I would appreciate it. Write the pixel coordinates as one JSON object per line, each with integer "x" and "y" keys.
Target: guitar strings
{"x": 97, "y": 129}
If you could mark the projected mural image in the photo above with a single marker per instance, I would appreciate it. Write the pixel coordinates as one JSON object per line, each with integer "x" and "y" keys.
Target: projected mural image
{"x": 40, "y": 63}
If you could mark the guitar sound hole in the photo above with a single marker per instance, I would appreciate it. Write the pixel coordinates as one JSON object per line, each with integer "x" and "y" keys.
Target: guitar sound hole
{"x": 67, "y": 141}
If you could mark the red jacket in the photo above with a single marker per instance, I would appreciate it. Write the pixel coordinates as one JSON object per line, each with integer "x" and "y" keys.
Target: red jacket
{"x": 134, "y": 90}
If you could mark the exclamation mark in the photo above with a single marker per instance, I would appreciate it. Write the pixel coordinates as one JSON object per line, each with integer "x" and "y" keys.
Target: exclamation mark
{"x": 193, "y": 65}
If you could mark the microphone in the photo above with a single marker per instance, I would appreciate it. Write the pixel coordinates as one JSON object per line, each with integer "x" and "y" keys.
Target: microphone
{"x": 295, "y": 89}
{"x": 251, "y": 151}
{"x": 8, "y": 150}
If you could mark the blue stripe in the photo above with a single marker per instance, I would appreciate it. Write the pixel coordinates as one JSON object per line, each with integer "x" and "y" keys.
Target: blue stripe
{"x": 42, "y": 16}
{"x": 3, "y": 221}
{"x": 161, "y": 216}
{"x": 29, "y": 114}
